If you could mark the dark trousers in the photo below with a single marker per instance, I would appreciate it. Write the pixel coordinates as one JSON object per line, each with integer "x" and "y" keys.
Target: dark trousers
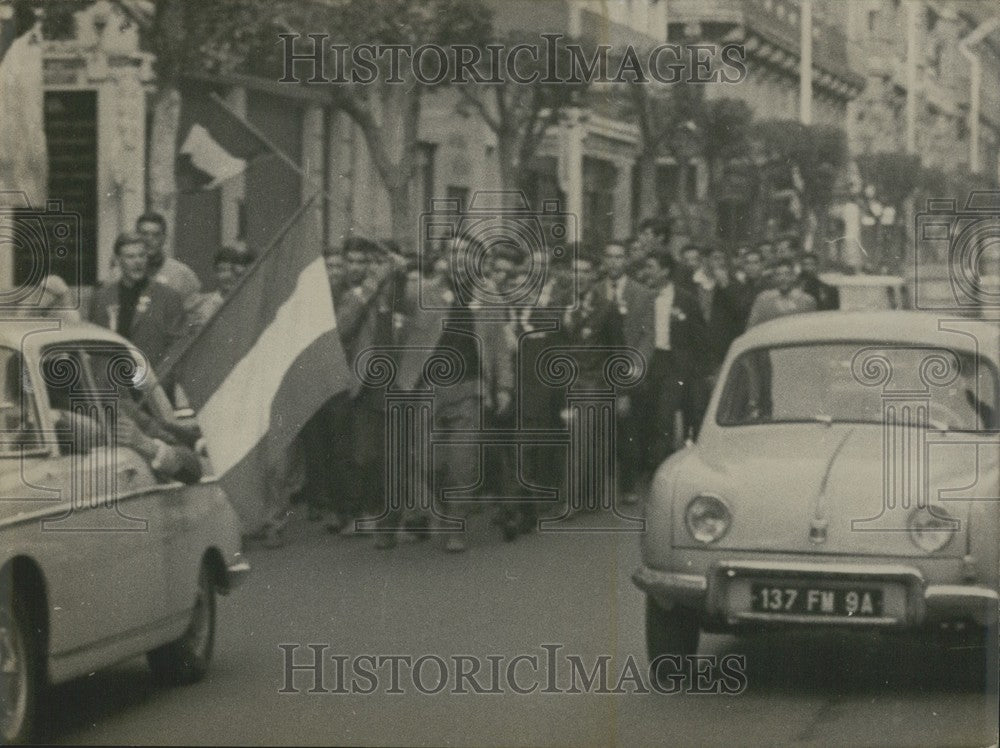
{"x": 665, "y": 391}
{"x": 629, "y": 440}
{"x": 326, "y": 440}
{"x": 367, "y": 468}
{"x": 452, "y": 475}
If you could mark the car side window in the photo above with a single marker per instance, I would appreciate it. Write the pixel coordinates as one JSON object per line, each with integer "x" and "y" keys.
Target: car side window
{"x": 19, "y": 422}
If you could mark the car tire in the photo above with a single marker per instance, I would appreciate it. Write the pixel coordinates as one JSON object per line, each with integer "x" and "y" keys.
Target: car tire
{"x": 670, "y": 632}
{"x": 186, "y": 660}
{"x": 21, "y": 675}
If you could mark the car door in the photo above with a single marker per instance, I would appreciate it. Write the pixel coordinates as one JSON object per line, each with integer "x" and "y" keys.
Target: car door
{"x": 181, "y": 508}
{"x": 108, "y": 580}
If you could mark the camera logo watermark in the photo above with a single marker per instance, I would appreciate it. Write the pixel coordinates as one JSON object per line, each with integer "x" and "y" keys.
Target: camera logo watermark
{"x": 64, "y": 422}
{"x": 43, "y": 245}
{"x": 939, "y": 422}
{"x": 495, "y": 281}
{"x": 495, "y": 227}
{"x": 957, "y": 255}
{"x": 313, "y": 669}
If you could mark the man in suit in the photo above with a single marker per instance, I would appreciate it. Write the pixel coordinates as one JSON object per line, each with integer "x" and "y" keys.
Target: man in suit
{"x": 745, "y": 289}
{"x": 827, "y": 296}
{"x": 138, "y": 307}
{"x": 630, "y": 305}
{"x": 723, "y": 322}
{"x": 169, "y": 271}
{"x": 442, "y": 322}
{"x": 675, "y": 362}
{"x": 364, "y": 312}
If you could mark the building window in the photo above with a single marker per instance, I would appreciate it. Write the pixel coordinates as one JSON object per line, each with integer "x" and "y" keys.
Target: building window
{"x": 872, "y": 21}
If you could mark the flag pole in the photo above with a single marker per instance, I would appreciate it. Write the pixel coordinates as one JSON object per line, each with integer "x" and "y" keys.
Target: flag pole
{"x": 255, "y": 131}
{"x": 279, "y": 236}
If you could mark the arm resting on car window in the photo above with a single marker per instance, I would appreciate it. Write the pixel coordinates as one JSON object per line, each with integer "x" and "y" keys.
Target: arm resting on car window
{"x": 169, "y": 459}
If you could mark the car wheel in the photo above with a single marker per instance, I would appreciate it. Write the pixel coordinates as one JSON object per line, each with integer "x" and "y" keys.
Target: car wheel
{"x": 186, "y": 659}
{"x": 971, "y": 660}
{"x": 673, "y": 632}
{"x": 20, "y": 675}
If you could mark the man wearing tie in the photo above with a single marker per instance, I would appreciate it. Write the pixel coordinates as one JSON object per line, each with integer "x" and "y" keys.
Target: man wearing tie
{"x": 678, "y": 339}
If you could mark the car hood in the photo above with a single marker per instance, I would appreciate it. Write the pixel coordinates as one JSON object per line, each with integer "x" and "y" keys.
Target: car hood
{"x": 786, "y": 483}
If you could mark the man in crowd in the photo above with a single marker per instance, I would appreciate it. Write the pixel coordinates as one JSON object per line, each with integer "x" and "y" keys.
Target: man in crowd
{"x": 364, "y": 311}
{"x": 327, "y": 438}
{"x": 690, "y": 265}
{"x": 745, "y": 290}
{"x": 169, "y": 271}
{"x": 441, "y": 324}
{"x": 138, "y": 307}
{"x": 230, "y": 265}
{"x": 675, "y": 363}
{"x": 630, "y": 309}
{"x": 827, "y": 297}
{"x": 783, "y": 299}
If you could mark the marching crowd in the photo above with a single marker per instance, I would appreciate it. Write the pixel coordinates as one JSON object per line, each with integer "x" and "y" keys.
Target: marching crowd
{"x": 678, "y": 310}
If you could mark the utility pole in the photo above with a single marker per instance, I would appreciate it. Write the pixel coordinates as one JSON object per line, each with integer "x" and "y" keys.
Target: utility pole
{"x": 912, "y": 94}
{"x": 975, "y": 86}
{"x": 805, "y": 63}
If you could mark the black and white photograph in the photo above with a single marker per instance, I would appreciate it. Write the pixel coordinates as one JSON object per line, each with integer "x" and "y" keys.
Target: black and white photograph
{"x": 500, "y": 373}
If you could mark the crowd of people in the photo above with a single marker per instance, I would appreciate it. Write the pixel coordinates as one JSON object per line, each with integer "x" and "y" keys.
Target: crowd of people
{"x": 679, "y": 314}
{"x": 678, "y": 310}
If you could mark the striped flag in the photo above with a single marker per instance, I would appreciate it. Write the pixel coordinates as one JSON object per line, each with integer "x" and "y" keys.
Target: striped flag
{"x": 267, "y": 361}
{"x": 214, "y": 143}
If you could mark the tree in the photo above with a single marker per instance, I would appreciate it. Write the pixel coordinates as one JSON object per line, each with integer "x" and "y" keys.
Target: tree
{"x": 807, "y": 158}
{"x": 667, "y": 118}
{"x": 189, "y": 36}
{"x": 520, "y": 114}
{"x": 387, "y": 110}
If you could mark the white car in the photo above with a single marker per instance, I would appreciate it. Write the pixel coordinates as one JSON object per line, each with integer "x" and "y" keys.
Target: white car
{"x": 100, "y": 560}
{"x": 846, "y": 475}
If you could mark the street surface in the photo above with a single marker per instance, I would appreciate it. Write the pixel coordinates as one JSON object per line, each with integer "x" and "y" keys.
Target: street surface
{"x": 570, "y": 589}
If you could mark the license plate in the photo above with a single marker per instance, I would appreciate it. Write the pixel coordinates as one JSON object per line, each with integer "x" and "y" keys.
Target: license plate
{"x": 862, "y": 602}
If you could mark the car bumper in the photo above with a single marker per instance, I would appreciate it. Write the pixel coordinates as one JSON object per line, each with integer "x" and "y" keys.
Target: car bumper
{"x": 917, "y": 603}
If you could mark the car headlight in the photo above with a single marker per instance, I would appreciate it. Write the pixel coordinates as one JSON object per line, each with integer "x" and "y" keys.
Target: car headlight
{"x": 931, "y": 531}
{"x": 707, "y": 518}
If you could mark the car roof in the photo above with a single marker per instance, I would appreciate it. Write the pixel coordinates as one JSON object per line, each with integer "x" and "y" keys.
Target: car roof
{"x": 843, "y": 279}
{"x": 922, "y": 328}
{"x": 31, "y": 335}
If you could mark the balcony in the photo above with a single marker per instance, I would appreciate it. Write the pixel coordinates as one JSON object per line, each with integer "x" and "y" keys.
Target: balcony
{"x": 775, "y": 21}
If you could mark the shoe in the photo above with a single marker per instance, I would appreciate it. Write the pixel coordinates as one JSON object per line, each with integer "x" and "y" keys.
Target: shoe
{"x": 528, "y": 524}
{"x": 418, "y": 528}
{"x": 274, "y": 535}
{"x": 335, "y": 524}
{"x": 455, "y": 544}
{"x": 385, "y": 541}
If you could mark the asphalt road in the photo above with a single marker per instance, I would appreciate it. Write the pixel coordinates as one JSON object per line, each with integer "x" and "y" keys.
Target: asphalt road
{"x": 503, "y": 599}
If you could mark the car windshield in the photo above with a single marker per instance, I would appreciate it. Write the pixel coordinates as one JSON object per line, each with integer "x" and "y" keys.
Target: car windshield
{"x": 860, "y": 383}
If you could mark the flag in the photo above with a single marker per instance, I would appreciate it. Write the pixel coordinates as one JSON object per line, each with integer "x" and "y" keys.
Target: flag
{"x": 211, "y": 158}
{"x": 24, "y": 160}
{"x": 264, "y": 364}
{"x": 214, "y": 143}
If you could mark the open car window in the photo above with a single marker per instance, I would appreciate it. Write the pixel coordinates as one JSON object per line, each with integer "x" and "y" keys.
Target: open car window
{"x": 20, "y": 427}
